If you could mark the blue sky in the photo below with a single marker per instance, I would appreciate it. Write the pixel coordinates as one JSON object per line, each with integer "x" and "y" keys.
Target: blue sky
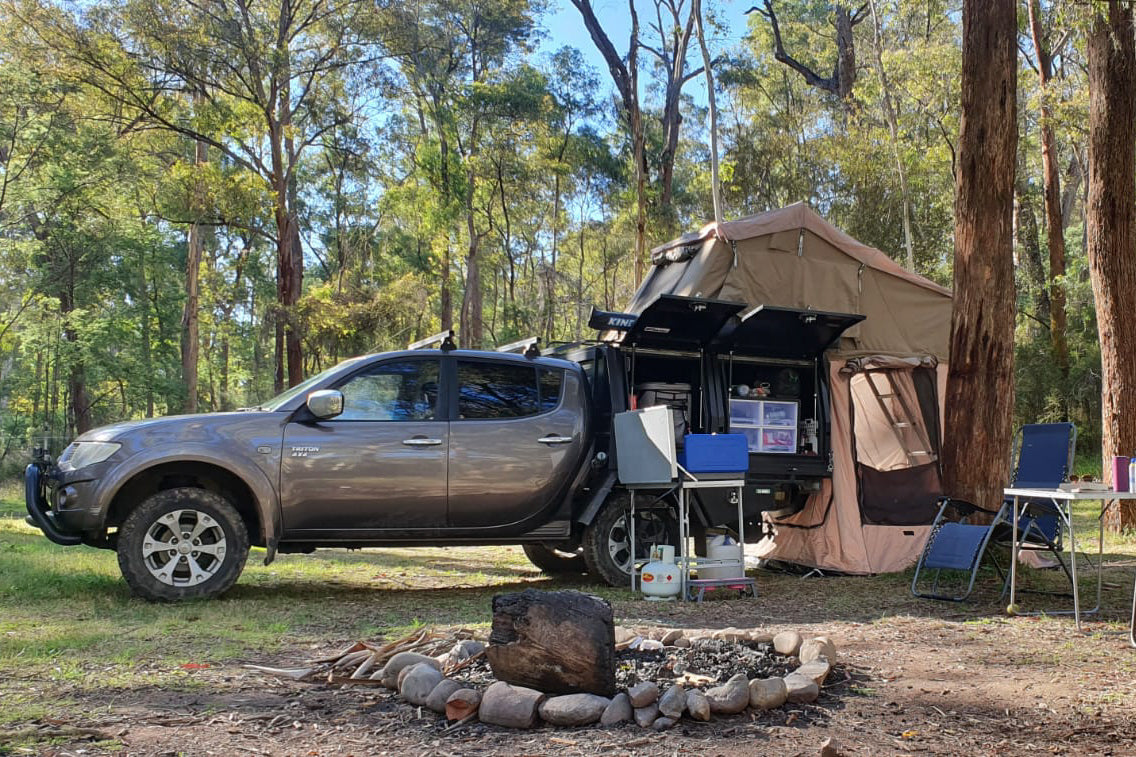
{"x": 565, "y": 27}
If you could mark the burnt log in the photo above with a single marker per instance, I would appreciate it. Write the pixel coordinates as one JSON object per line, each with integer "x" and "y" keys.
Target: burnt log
{"x": 559, "y": 642}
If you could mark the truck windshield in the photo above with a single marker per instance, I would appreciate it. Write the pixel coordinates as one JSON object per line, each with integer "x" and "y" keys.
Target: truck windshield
{"x": 279, "y": 400}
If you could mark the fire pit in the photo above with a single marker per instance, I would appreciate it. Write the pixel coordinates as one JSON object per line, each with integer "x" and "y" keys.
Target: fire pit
{"x": 661, "y": 676}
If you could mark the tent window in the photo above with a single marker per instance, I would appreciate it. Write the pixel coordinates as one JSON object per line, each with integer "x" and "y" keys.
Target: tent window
{"x": 891, "y": 432}
{"x": 896, "y": 447}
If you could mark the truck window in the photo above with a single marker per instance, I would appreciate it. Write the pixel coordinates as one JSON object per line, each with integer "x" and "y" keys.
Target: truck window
{"x": 491, "y": 390}
{"x": 399, "y": 391}
{"x": 550, "y": 383}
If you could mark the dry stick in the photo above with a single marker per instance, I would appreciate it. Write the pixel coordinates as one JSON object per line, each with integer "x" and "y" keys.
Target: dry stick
{"x": 365, "y": 668}
{"x": 352, "y": 659}
{"x": 336, "y": 680}
{"x": 353, "y": 648}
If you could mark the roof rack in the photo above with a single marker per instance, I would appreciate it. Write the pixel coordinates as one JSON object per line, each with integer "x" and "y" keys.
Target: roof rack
{"x": 529, "y": 347}
{"x": 444, "y": 340}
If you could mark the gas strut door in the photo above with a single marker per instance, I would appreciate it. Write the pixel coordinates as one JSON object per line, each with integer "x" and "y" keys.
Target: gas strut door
{"x": 788, "y": 333}
{"x": 680, "y": 323}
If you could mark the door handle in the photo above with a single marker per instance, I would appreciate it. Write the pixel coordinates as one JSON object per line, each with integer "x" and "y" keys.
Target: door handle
{"x": 421, "y": 441}
{"x": 555, "y": 439}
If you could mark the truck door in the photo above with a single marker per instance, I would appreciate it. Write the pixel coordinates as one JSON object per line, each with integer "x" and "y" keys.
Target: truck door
{"x": 379, "y": 467}
{"x": 515, "y": 441}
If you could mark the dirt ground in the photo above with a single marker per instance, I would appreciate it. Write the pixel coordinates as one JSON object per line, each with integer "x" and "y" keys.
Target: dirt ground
{"x": 917, "y": 677}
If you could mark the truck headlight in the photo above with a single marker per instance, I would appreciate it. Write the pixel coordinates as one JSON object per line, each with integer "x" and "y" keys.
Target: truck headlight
{"x": 89, "y": 453}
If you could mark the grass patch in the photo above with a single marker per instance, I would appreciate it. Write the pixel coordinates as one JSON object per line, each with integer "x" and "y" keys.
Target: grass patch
{"x": 66, "y": 615}
{"x": 73, "y": 642}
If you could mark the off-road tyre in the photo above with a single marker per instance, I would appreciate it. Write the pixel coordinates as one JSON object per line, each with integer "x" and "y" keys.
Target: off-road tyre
{"x": 555, "y": 562}
{"x": 606, "y": 539}
{"x": 154, "y": 561}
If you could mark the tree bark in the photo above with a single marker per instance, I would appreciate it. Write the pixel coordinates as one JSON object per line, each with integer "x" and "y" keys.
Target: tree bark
{"x": 1054, "y": 222}
{"x": 980, "y": 379}
{"x": 1111, "y": 227}
{"x": 289, "y": 255}
{"x": 558, "y": 642}
{"x": 189, "y": 321}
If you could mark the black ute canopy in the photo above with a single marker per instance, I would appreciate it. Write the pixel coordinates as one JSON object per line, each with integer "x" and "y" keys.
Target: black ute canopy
{"x": 695, "y": 323}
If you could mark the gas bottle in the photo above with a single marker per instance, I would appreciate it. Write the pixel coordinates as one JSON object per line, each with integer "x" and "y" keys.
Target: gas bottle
{"x": 659, "y": 579}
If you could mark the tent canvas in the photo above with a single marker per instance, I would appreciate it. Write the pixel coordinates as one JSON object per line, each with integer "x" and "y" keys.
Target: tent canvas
{"x": 887, "y": 376}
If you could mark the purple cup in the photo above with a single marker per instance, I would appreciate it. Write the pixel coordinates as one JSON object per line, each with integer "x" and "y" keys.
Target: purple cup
{"x": 1120, "y": 473}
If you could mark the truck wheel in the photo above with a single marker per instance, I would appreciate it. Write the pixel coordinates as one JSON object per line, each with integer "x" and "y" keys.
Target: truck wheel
{"x": 182, "y": 544}
{"x": 607, "y": 541}
{"x": 554, "y": 562}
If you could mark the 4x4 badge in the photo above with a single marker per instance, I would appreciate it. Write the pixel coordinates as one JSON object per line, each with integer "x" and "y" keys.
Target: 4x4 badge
{"x": 303, "y": 451}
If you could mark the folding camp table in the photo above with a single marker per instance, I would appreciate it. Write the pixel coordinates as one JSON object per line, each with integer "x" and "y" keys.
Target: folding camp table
{"x": 685, "y": 561}
{"x": 1063, "y": 506}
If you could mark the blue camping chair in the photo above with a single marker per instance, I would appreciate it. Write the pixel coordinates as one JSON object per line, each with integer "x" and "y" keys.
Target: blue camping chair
{"x": 1044, "y": 459}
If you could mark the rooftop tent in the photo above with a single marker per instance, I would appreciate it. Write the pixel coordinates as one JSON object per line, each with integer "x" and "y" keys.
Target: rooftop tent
{"x": 887, "y": 374}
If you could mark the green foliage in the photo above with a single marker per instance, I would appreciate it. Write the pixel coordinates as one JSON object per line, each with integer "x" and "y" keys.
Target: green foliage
{"x": 428, "y": 140}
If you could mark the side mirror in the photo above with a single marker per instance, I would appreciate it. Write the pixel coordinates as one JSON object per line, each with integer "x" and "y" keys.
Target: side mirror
{"x": 325, "y": 403}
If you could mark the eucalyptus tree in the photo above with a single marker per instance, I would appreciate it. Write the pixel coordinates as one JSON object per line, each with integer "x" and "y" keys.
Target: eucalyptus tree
{"x": 572, "y": 87}
{"x": 1112, "y": 224}
{"x": 252, "y": 80}
{"x": 463, "y": 62}
{"x": 980, "y": 377}
{"x": 1045, "y": 50}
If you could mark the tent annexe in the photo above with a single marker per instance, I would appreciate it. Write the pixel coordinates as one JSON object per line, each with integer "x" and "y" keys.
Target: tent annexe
{"x": 887, "y": 376}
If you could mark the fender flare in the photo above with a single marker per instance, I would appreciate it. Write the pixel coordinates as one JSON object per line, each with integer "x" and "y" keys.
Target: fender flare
{"x": 267, "y": 502}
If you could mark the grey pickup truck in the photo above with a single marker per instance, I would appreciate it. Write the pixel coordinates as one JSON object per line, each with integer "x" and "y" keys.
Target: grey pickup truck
{"x": 443, "y": 446}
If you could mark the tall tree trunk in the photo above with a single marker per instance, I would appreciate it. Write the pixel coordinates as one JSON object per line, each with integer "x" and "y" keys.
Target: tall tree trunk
{"x": 1029, "y": 243}
{"x": 980, "y": 379}
{"x": 675, "y": 66}
{"x": 550, "y": 289}
{"x": 845, "y": 50}
{"x": 446, "y": 294}
{"x": 715, "y": 188}
{"x": 289, "y": 255}
{"x": 580, "y": 270}
{"x": 37, "y": 387}
{"x": 472, "y": 328}
{"x": 147, "y": 339}
{"x": 189, "y": 321}
{"x": 639, "y": 142}
{"x": 80, "y": 405}
{"x": 1054, "y": 222}
{"x": 1111, "y": 227}
{"x": 893, "y": 131}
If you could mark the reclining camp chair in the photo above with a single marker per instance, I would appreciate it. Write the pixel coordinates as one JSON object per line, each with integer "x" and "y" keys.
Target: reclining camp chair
{"x": 1044, "y": 459}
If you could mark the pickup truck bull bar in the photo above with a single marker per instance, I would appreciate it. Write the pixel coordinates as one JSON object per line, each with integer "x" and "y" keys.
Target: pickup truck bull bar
{"x": 39, "y": 515}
